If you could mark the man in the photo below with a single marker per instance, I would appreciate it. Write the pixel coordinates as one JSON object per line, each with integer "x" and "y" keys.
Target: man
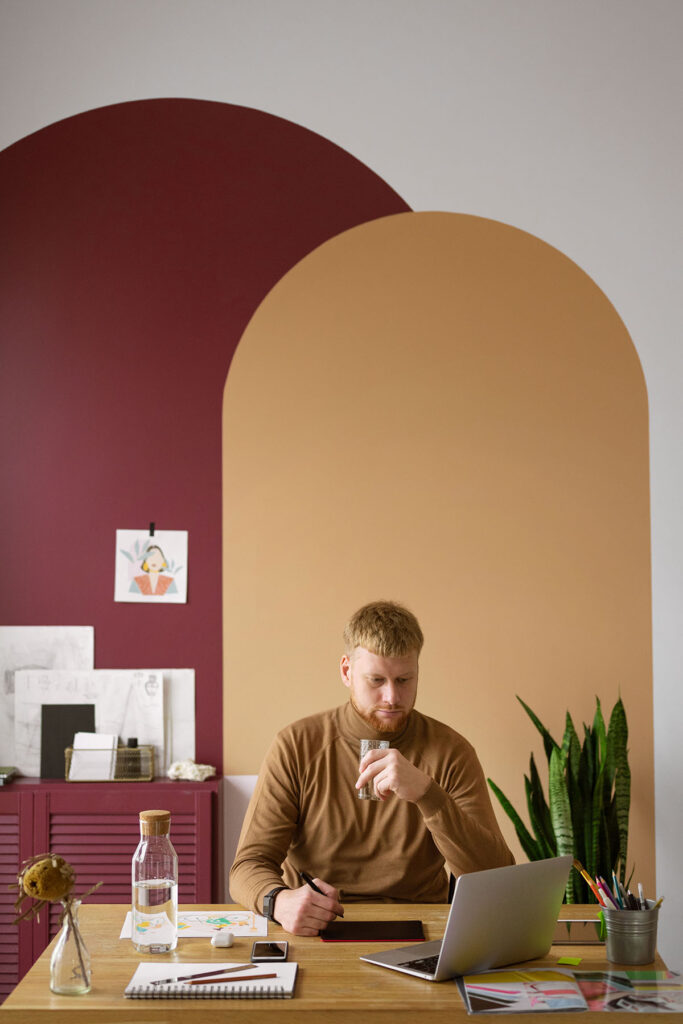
{"x": 433, "y": 815}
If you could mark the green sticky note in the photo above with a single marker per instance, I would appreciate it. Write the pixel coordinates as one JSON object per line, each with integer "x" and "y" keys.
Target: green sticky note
{"x": 572, "y": 961}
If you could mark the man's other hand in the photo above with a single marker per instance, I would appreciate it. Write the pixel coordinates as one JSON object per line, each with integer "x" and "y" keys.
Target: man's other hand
{"x": 306, "y": 912}
{"x": 392, "y": 773}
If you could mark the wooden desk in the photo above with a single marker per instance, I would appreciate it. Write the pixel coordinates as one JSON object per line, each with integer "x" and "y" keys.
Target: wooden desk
{"x": 333, "y": 984}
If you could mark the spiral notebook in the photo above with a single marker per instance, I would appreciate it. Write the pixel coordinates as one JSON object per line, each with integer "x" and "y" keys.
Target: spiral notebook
{"x": 174, "y": 981}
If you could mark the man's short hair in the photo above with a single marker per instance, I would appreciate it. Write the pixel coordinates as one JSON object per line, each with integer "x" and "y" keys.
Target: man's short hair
{"x": 384, "y": 628}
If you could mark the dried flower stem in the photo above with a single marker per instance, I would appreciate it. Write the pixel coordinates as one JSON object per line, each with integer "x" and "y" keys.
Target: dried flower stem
{"x": 67, "y": 906}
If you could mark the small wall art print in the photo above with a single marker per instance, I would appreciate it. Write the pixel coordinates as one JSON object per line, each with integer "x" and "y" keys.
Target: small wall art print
{"x": 151, "y": 568}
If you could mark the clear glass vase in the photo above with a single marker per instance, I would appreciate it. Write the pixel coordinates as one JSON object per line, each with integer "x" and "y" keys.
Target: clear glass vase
{"x": 70, "y": 972}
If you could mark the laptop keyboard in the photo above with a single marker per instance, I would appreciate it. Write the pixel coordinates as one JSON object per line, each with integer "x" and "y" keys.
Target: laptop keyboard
{"x": 426, "y": 964}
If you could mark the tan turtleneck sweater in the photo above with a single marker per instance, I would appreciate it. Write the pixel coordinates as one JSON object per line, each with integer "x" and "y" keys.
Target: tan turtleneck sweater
{"x": 305, "y": 814}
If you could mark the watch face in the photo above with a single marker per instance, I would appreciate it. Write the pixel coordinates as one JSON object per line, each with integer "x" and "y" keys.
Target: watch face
{"x": 269, "y": 903}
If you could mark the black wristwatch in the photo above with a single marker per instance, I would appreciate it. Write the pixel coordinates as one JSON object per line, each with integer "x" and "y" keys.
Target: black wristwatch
{"x": 269, "y": 903}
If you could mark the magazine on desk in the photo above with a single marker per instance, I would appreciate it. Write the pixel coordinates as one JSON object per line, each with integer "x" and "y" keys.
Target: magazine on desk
{"x": 632, "y": 991}
{"x": 520, "y": 990}
{"x": 213, "y": 981}
{"x": 544, "y": 989}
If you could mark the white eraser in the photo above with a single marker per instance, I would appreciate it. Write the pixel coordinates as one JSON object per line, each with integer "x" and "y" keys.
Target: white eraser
{"x": 222, "y": 938}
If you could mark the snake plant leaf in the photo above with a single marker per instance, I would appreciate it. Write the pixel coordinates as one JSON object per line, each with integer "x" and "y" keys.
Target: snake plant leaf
{"x": 560, "y": 811}
{"x": 609, "y": 841}
{"x": 541, "y": 842}
{"x": 587, "y": 769}
{"x": 596, "y": 819}
{"x": 610, "y": 756}
{"x": 599, "y": 732}
{"x": 585, "y": 776}
{"x": 586, "y": 787}
{"x": 617, "y": 735}
{"x": 590, "y": 842}
{"x": 581, "y": 890}
{"x": 539, "y": 815}
{"x": 529, "y": 844}
{"x": 541, "y": 806}
{"x": 622, "y": 791}
{"x": 571, "y": 748}
{"x": 549, "y": 743}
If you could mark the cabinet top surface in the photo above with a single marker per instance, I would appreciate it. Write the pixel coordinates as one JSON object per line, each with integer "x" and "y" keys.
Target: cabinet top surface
{"x": 31, "y": 783}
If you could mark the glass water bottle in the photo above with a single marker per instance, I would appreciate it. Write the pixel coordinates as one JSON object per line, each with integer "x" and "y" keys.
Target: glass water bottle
{"x": 155, "y": 886}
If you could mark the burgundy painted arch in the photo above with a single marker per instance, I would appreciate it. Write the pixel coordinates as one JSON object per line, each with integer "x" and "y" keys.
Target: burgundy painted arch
{"x": 136, "y": 241}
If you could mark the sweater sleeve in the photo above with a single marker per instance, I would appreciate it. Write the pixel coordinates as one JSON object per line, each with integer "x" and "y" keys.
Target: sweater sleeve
{"x": 460, "y": 817}
{"x": 269, "y": 824}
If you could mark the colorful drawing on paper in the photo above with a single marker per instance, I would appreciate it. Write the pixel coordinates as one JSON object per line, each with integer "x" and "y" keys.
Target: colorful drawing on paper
{"x": 199, "y": 924}
{"x": 153, "y": 923}
{"x": 151, "y": 566}
{"x": 239, "y": 922}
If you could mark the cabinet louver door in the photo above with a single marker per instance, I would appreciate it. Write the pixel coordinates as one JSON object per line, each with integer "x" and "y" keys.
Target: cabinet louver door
{"x": 98, "y": 834}
{"x": 100, "y": 848}
{"x": 9, "y": 941}
{"x": 16, "y": 940}
{"x": 95, "y": 827}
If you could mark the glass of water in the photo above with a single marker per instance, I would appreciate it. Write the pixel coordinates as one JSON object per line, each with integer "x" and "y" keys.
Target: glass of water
{"x": 368, "y": 792}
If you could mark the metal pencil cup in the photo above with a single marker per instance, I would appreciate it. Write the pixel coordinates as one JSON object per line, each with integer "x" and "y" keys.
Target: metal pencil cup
{"x": 631, "y": 935}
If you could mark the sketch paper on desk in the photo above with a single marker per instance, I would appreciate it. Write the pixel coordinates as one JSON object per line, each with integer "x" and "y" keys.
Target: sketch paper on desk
{"x": 203, "y": 924}
{"x": 151, "y": 569}
{"x": 37, "y": 647}
{"x": 127, "y": 703}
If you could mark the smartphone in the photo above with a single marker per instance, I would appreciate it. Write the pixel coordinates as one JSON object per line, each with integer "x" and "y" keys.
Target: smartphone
{"x": 266, "y": 952}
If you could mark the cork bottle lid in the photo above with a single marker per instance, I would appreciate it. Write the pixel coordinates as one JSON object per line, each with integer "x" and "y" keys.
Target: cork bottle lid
{"x": 155, "y": 823}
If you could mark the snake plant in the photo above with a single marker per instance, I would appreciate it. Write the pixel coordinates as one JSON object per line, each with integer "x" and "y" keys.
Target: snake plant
{"x": 589, "y": 793}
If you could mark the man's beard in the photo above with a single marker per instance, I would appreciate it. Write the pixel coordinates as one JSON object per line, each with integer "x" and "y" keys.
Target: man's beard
{"x": 381, "y": 724}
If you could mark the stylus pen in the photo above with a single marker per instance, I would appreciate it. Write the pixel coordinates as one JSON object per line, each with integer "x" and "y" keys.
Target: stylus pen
{"x": 305, "y": 877}
{"x": 242, "y": 977}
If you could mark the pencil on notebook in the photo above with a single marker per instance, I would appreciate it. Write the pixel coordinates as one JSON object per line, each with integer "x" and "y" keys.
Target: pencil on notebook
{"x": 203, "y": 974}
{"x": 242, "y": 977}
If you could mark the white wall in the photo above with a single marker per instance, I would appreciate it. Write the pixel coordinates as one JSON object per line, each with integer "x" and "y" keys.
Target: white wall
{"x": 561, "y": 117}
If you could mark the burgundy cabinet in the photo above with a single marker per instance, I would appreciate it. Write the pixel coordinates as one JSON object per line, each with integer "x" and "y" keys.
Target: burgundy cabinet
{"x": 94, "y": 825}
{"x": 16, "y": 941}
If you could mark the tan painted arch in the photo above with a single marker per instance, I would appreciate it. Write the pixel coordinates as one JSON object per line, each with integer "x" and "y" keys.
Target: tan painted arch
{"x": 446, "y": 411}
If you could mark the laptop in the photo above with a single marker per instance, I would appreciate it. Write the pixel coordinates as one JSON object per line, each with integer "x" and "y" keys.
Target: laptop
{"x": 499, "y": 916}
